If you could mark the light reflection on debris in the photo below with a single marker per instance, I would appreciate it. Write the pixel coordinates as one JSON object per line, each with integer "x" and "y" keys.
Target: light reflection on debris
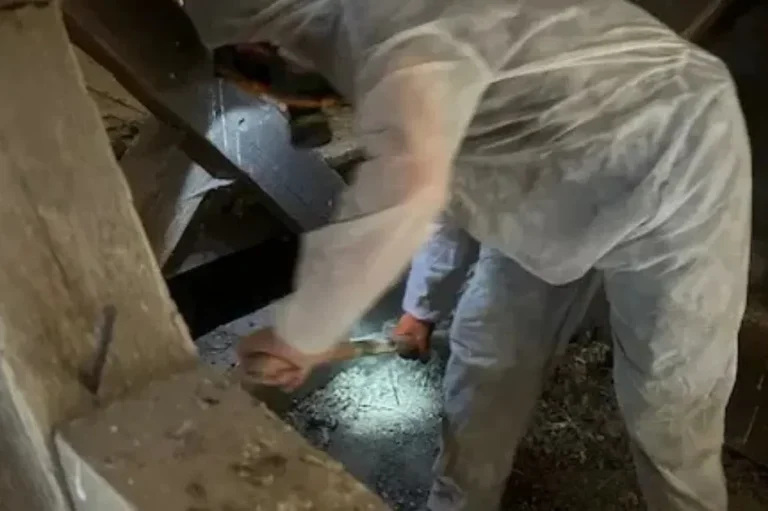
{"x": 380, "y": 418}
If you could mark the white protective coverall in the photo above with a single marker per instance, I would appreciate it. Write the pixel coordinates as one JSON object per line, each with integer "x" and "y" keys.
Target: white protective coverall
{"x": 569, "y": 138}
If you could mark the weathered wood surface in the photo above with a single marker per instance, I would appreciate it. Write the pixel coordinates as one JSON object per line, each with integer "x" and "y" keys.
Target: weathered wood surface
{"x": 197, "y": 441}
{"x": 73, "y": 248}
{"x": 153, "y": 50}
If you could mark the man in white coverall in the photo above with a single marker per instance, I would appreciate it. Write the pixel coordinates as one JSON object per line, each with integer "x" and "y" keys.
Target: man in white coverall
{"x": 569, "y": 140}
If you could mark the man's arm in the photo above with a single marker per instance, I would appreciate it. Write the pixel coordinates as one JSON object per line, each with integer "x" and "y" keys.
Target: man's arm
{"x": 438, "y": 271}
{"x": 417, "y": 99}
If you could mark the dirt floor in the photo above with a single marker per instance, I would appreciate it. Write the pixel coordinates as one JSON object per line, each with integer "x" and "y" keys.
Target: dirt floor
{"x": 576, "y": 455}
{"x": 380, "y": 417}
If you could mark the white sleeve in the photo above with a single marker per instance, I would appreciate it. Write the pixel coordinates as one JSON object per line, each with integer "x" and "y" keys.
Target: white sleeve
{"x": 411, "y": 119}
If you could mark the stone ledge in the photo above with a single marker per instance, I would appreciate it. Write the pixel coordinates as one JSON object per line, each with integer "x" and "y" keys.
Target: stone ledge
{"x": 198, "y": 442}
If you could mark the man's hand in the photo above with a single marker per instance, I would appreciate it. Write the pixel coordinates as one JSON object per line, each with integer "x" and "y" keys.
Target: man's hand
{"x": 271, "y": 361}
{"x": 413, "y": 337}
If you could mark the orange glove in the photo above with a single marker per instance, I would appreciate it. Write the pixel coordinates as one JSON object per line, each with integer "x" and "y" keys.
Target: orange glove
{"x": 413, "y": 337}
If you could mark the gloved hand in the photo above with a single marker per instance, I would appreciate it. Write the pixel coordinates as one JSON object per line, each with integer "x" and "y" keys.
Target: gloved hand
{"x": 413, "y": 337}
{"x": 269, "y": 360}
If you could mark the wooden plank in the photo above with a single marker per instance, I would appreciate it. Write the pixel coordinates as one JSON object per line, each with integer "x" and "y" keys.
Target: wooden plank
{"x": 75, "y": 256}
{"x": 197, "y": 441}
{"x": 153, "y": 50}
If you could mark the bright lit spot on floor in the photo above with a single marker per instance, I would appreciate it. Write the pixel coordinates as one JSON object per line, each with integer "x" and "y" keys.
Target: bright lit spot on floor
{"x": 385, "y": 396}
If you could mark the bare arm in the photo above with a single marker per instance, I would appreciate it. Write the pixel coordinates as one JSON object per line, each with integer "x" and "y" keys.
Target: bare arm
{"x": 412, "y": 120}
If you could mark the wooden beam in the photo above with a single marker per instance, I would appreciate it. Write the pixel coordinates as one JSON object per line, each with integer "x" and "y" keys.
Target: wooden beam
{"x": 76, "y": 270}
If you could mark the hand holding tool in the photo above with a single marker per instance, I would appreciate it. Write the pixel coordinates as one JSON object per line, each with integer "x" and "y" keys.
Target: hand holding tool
{"x": 258, "y": 364}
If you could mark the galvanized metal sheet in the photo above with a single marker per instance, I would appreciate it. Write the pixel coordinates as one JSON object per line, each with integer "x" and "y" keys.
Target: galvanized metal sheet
{"x": 254, "y": 135}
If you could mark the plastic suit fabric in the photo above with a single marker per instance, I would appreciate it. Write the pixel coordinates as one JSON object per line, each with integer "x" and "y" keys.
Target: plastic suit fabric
{"x": 568, "y": 138}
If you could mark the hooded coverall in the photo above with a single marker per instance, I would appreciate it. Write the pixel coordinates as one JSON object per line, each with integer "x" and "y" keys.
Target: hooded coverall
{"x": 568, "y": 139}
